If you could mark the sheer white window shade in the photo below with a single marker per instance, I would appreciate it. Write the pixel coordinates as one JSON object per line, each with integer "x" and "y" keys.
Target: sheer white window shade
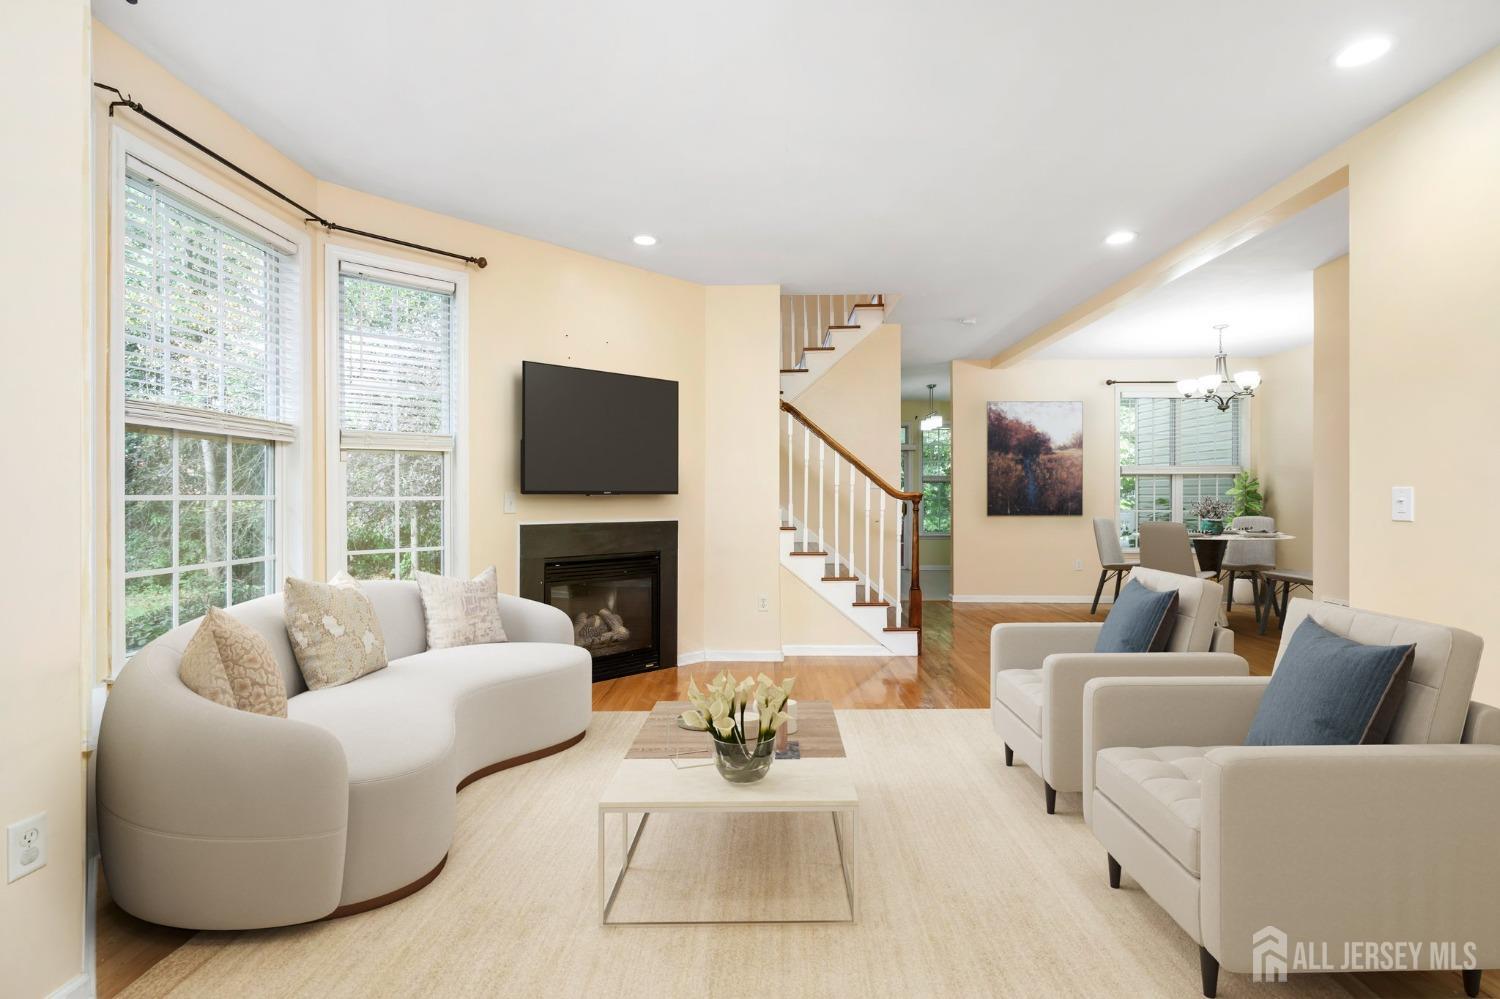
{"x": 395, "y": 360}
{"x": 210, "y": 314}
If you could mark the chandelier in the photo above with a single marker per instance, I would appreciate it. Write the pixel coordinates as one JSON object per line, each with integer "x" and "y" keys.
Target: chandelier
{"x": 1218, "y": 388}
{"x": 933, "y": 420}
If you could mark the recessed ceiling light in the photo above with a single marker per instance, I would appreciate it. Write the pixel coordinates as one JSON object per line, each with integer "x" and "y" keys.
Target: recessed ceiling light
{"x": 1120, "y": 237}
{"x": 1362, "y": 52}
{"x": 644, "y": 240}
{"x": 969, "y": 320}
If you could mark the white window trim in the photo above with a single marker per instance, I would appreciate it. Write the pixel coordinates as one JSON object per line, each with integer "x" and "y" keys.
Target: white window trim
{"x": 294, "y": 469}
{"x": 1247, "y": 443}
{"x": 456, "y": 503}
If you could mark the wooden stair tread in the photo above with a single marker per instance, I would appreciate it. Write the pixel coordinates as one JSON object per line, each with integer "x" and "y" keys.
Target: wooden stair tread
{"x": 869, "y": 305}
{"x": 840, "y": 579}
{"x": 890, "y": 628}
{"x": 871, "y": 603}
{"x": 805, "y": 349}
{"x": 844, "y": 326}
{"x": 794, "y": 371}
{"x": 787, "y": 527}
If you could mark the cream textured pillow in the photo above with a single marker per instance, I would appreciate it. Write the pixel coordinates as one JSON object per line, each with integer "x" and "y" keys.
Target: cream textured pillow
{"x": 461, "y": 611}
{"x": 227, "y": 662}
{"x": 334, "y": 633}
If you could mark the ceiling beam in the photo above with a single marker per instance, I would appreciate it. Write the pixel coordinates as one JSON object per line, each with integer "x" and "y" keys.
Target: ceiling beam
{"x": 1323, "y": 177}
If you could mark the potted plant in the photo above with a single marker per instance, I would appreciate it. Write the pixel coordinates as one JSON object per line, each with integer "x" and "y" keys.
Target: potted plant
{"x": 743, "y": 718}
{"x": 1248, "y": 501}
{"x": 1211, "y": 512}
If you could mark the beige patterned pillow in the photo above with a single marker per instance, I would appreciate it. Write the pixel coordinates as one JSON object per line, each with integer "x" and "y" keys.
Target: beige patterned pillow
{"x": 227, "y": 662}
{"x": 334, "y": 633}
{"x": 461, "y": 611}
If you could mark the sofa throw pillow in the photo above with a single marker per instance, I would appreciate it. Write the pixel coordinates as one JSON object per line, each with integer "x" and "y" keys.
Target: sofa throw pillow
{"x": 227, "y": 662}
{"x": 335, "y": 635}
{"x": 1140, "y": 620}
{"x": 1330, "y": 691}
{"x": 461, "y": 611}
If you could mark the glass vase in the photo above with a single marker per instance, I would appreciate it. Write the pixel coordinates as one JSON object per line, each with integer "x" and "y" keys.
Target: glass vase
{"x": 744, "y": 763}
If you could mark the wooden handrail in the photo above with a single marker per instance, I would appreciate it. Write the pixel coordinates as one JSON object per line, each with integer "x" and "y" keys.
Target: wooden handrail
{"x": 849, "y": 456}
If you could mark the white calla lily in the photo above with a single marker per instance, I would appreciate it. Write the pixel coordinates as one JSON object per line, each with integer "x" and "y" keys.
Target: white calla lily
{"x": 695, "y": 720}
{"x": 724, "y": 726}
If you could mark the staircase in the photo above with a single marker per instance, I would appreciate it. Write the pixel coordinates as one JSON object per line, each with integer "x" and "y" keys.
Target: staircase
{"x": 841, "y": 525}
{"x": 818, "y": 330}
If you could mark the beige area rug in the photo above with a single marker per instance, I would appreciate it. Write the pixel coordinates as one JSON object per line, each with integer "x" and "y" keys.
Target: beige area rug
{"x": 967, "y": 888}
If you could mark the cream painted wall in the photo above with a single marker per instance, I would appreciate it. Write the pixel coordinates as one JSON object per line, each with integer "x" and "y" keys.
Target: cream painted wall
{"x": 858, "y": 402}
{"x": 1424, "y": 299}
{"x": 1330, "y": 436}
{"x": 741, "y": 557}
{"x": 1033, "y": 556}
{"x": 1284, "y": 451}
{"x": 935, "y": 551}
{"x": 44, "y": 71}
{"x": 538, "y": 301}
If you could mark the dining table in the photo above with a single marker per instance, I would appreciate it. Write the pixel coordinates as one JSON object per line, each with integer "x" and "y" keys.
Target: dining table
{"x": 1210, "y": 550}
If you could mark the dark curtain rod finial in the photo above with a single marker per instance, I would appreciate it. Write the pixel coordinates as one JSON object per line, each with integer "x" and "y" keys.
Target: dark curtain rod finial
{"x": 125, "y": 100}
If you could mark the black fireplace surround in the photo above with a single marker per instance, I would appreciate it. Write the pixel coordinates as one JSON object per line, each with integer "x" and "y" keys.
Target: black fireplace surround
{"x": 616, "y": 581}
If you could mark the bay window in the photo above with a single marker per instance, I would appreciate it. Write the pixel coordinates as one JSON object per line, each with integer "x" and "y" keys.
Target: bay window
{"x": 395, "y": 483}
{"x": 1174, "y": 452}
{"x": 207, "y": 376}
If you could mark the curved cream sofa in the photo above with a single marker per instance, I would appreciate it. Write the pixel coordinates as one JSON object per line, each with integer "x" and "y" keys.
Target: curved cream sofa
{"x": 213, "y": 818}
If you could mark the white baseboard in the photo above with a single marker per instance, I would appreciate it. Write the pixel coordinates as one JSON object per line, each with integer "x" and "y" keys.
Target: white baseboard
{"x": 79, "y": 987}
{"x": 1011, "y": 598}
{"x": 837, "y": 650}
{"x": 729, "y": 656}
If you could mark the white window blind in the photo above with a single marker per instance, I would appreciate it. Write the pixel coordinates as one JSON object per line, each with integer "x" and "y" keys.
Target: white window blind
{"x": 1162, "y": 432}
{"x": 396, "y": 360}
{"x": 210, "y": 316}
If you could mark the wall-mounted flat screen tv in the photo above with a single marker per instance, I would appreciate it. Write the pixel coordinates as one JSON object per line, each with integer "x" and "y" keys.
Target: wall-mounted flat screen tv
{"x": 596, "y": 432}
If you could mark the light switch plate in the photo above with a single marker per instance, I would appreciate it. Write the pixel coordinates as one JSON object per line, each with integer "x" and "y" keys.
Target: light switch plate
{"x": 1403, "y": 503}
{"x": 508, "y": 503}
{"x": 25, "y": 847}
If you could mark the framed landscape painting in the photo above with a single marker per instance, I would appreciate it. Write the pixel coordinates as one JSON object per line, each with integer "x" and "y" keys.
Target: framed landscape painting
{"x": 1035, "y": 459}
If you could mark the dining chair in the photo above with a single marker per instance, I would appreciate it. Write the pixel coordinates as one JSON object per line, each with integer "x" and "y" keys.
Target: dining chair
{"x": 1111, "y": 558}
{"x": 1248, "y": 558}
{"x": 1165, "y": 546}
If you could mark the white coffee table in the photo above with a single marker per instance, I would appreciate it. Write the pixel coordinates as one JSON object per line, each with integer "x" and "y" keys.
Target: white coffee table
{"x": 649, "y": 781}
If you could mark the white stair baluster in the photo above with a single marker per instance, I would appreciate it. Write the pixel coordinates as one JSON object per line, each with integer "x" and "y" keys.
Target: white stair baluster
{"x": 790, "y": 519}
{"x": 834, "y": 551}
{"x": 852, "y": 472}
{"x": 822, "y": 525}
{"x": 868, "y": 576}
{"x": 880, "y": 540}
{"x": 806, "y": 471}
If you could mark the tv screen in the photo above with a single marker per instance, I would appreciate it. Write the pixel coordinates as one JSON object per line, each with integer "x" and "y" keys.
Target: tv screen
{"x": 596, "y": 432}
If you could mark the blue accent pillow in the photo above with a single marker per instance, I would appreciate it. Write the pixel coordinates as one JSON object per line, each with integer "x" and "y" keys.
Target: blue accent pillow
{"x": 1330, "y": 691}
{"x": 1139, "y": 621}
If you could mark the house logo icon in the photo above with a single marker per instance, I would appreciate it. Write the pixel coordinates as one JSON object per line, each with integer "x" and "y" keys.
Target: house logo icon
{"x": 1268, "y": 955}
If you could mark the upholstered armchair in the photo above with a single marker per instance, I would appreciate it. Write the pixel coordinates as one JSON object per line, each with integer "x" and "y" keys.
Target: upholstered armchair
{"x": 1038, "y": 670}
{"x": 1257, "y": 850}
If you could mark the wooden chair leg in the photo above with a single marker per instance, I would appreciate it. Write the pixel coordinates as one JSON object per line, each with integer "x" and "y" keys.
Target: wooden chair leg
{"x": 1099, "y": 590}
{"x": 1119, "y": 578}
{"x": 1267, "y": 603}
{"x": 1229, "y": 594}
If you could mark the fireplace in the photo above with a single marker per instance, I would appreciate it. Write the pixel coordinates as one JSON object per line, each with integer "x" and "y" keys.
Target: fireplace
{"x": 614, "y": 602}
{"x": 616, "y": 581}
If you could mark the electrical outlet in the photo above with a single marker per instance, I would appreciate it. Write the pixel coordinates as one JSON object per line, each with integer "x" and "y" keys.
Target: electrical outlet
{"x": 26, "y": 847}
{"x": 1078, "y": 565}
{"x": 763, "y": 603}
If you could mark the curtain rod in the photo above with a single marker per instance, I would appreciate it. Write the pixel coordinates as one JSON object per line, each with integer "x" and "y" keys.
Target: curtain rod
{"x": 1138, "y": 381}
{"x": 124, "y": 100}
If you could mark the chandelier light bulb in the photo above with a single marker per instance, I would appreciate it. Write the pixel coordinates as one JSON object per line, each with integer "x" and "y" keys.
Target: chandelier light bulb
{"x": 1247, "y": 380}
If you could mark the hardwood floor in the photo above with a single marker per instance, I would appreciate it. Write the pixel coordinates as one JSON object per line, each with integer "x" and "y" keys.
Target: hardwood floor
{"x": 953, "y": 670}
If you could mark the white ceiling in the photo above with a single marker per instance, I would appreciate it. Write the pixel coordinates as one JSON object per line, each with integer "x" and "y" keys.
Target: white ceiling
{"x": 1262, "y": 289}
{"x": 970, "y": 155}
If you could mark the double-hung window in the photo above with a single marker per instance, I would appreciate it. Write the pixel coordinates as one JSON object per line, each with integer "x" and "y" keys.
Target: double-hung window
{"x": 1173, "y": 453}
{"x": 395, "y": 505}
{"x": 937, "y": 482}
{"x": 206, "y": 376}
